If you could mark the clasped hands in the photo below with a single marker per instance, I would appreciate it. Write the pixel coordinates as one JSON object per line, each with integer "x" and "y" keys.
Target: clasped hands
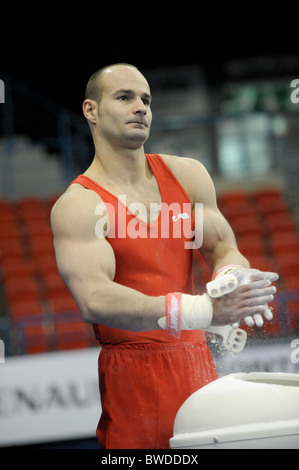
{"x": 242, "y": 293}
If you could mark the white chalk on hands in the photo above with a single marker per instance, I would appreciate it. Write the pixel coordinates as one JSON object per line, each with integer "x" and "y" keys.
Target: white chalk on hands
{"x": 225, "y": 283}
{"x": 222, "y": 285}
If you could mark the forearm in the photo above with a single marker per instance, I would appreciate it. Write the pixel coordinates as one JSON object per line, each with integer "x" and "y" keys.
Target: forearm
{"x": 227, "y": 257}
{"x": 116, "y": 306}
{"x": 219, "y": 247}
{"x": 224, "y": 255}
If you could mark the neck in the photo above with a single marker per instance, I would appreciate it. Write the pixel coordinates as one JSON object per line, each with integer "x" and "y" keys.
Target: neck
{"x": 123, "y": 164}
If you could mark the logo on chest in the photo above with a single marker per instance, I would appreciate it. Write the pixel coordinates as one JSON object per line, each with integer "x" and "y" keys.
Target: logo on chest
{"x": 184, "y": 215}
{"x": 122, "y": 221}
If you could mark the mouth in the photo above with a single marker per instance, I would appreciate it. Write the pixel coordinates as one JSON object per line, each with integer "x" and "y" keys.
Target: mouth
{"x": 140, "y": 124}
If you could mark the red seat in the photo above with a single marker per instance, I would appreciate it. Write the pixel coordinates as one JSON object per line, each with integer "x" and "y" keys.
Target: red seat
{"x": 73, "y": 335}
{"x": 264, "y": 263}
{"x": 24, "y": 308}
{"x": 41, "y": 245}
{"x": 292, "y": 282}
{"x": 272, "y": 328}
{"x": 31, "y": 213}
{"x": 293, "y": 312}
{"x": 252, "y": 244}
{"x": 14, "y": 267}
{"x": 233, "y": 197}
{"x": 54, "y": 285}
{"x": 9, "y": 230}
{"x": 247, "y": 225}
{"x": 36, "y": 339}
{"x": 38, "y": 228}
{"x": 239, "y": 209}
{"x": 270, "y": 207}
{"x": 30, "y": 203}
{"x": 267, "y": 193}
{"x": 11, "y": 247}
{"x": 62, "y": 303}
{"x": 45, "y": 263}
{"x": 282, "y": 242}
{"x": 285, "y": 250}
{"x": 280, "y": 223}
{"x": 287, "y": 264}
{"x": 24, "y": 288}
{"x": 7, "y": 213}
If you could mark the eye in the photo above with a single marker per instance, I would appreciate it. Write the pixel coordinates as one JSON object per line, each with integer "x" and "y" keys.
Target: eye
{"x": 122, "y": 98}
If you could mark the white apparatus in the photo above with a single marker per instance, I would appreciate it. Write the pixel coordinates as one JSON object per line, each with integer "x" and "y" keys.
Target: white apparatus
{"x": 257, "y": 410}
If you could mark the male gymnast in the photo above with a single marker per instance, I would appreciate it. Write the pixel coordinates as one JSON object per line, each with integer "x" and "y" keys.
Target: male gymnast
{"x": 122, "y": 234}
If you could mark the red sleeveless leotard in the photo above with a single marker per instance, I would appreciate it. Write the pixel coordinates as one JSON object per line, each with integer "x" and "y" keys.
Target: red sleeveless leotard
{"x": 146, "y": 376}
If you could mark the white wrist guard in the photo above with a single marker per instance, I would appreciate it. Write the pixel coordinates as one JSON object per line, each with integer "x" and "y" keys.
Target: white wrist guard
{"x": 232, "y": 339}
{"x": 186, "y": 312}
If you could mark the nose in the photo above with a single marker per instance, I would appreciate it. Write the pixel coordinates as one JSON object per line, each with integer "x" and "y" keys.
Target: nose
{"x": 140, "y": 107}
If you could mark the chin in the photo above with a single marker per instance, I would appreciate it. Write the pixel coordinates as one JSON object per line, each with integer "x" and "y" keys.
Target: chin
{"x": 137, "y": 141}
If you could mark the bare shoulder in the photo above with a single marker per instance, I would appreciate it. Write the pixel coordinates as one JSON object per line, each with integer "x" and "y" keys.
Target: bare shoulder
{"x": 187, "y": 165}
{"x": 74, "y": 212}
{"x": 192, "y": 175}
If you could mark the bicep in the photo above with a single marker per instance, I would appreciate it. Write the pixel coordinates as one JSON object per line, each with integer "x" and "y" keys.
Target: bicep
{"x": 84, "y": 259}
{"x": 84, "y": 266}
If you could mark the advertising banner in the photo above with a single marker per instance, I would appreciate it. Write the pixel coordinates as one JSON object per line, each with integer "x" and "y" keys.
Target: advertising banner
{"x": 49, "y": 397}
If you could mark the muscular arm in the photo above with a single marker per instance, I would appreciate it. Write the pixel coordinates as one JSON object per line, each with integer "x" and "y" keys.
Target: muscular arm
{"x": 87, "y": 265}
{"x": 219, "y": 246}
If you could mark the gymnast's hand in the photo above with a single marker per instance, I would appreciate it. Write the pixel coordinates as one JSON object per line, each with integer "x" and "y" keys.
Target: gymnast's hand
{"x": 242, "y": 293}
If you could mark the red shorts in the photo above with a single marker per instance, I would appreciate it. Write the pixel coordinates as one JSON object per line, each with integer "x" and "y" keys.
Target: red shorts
{"x": 142, "y": 387}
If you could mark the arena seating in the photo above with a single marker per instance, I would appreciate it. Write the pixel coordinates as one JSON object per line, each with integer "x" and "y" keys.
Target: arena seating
{"x": 42, "y": 312}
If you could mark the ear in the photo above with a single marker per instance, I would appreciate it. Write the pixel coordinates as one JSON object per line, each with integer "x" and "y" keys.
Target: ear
{"x": 90, "y": 110}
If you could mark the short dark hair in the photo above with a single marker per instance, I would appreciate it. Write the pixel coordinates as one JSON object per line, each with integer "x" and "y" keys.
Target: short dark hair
{"x": 93, "y": 89}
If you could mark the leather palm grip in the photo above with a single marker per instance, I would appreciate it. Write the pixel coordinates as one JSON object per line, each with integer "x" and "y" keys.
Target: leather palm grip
{"x": 222, "y": 285}
{"x": 232, "y": 339}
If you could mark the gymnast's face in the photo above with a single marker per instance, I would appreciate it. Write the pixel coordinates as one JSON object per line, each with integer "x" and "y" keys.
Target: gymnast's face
{"x": 124, "y": 111}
